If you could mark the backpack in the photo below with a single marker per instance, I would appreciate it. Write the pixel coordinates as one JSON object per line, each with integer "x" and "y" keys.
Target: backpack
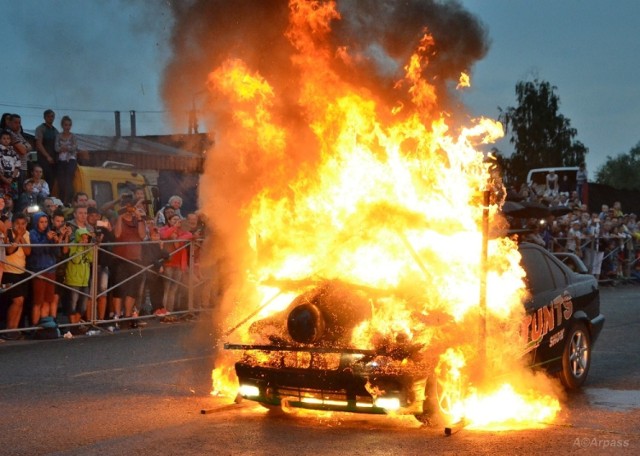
{"x": 49, "y": 329}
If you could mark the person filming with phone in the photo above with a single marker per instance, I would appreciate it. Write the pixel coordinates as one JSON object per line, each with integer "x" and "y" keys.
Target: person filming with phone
{"x": 130, "y": 227}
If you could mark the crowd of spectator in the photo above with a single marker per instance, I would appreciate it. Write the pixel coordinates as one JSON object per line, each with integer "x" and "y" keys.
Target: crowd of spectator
{"x": 608, "y": 240}
{"x": 48, "y": 236}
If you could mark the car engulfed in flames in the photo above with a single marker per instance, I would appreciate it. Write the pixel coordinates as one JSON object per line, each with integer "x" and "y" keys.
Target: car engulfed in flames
{"x": 360, "y": 239}
{"x": 308, "y": 362}
{"x": 310, "y": 365}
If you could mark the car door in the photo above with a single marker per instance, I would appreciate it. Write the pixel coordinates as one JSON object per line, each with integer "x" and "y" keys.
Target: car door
{"x": 549, "y": 305}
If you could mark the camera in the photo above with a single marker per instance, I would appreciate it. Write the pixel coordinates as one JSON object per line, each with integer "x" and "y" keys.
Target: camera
{"x": 33, "y": 209}
{"x": 126, "y": 199}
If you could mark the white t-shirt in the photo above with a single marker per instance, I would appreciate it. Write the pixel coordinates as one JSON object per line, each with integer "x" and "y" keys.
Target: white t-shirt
{"x": 17, "y": 259}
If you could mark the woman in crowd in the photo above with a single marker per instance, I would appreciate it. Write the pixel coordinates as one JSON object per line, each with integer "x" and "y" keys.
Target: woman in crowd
{"x": 178, "y": 263}
{"x": 40, "y": 186}
{"x": 67, "y": 149}
{"x": 17, "y": 251}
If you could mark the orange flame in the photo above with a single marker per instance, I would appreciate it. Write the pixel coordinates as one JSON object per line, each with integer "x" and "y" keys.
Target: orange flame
{"x": 464, "y": 81}
{"x": 393, "y": 202}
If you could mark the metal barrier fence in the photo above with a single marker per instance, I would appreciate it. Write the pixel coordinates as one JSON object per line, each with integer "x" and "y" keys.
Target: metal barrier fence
{"x": 97, "y": 248}
{"x": 590, "y": 246}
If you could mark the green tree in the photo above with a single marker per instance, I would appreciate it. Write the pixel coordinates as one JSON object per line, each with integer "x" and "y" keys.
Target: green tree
{"x": 541, "y": 136}
{"x": 621, "y": 171}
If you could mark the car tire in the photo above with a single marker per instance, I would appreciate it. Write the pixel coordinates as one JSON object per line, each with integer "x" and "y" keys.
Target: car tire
{"x": 437, "y": 403}
{"x": 576, "y": 357}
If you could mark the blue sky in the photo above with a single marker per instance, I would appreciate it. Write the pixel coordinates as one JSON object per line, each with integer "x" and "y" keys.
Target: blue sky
{"x": 89, "y": 58}
{"x": 588, "y": 49}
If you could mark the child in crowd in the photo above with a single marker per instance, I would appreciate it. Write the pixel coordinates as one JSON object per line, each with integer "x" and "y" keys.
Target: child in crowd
{"x": 77, "y": 274}
{"x": 10, "y": 164}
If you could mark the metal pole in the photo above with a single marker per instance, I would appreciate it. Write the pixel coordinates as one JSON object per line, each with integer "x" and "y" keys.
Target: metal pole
{"x": 191, "y": 269}
{"x": 94, "y": 285}
{"x": 483, "y": 276}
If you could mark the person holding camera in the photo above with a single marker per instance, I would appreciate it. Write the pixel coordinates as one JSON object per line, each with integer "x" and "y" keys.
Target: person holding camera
{"x": 42, "y": 258}
{"x": 129, "y": 228}
{"x": 28, "y": 199}
{"x": 62, "y": 232}
{"x": 14, "y": 272}
{"x": 103, "y": 233}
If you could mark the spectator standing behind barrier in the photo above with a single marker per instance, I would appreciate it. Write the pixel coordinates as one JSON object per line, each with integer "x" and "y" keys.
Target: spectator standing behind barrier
{"x": 63, "y": 236}
{"x": 581, "y": 182}
{"x": 14, "y": 272}
{"x": 3, "y": 234}
{"x": 154, "y": 254}
{"x": 43, "y": 257}
{"x": 551, "y": 189}
{"x": 178, "y": 262}
{"x": 21, "y": 145}
{"x": 175, "y": 202}
{"x": 77, "y": 275}
{"x": 102, "y": 233}
{"x": 28, "y": 200}
{"x": 10, "y": 166}
{"x": 129, "y": 227}
{"x": 40, "y": 186}
{"x": 67, "y": 149}
{"x": 164, "y": 215}
{"x": 46, "y": 134}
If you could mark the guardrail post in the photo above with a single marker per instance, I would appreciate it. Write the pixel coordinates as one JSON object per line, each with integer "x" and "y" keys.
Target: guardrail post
{"x": 94, "y": 284}
{"x": 191, "y": 272}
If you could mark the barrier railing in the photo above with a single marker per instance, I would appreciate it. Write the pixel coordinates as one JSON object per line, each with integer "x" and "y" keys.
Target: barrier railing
{"x": 102, "y": 248}
{"x": 590, "y": 246}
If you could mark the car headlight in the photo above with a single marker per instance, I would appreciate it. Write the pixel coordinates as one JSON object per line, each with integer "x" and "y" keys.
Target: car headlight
{"x": 249, "y": 390}
{"x": 388, "y": 403}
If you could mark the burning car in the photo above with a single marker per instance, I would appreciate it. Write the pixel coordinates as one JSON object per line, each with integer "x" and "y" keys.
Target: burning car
{"x": 307, "y": 362}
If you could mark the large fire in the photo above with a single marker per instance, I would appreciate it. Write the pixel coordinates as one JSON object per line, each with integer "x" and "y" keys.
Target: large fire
{"x": 393, "y": 202}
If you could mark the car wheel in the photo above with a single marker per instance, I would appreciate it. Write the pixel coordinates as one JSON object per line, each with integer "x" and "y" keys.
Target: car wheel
{"x": 576, "y": 357}
{"x": 437, "y": 408}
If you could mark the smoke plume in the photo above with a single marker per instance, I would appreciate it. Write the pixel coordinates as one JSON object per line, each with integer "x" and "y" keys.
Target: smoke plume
{"x": 368, "y": 46}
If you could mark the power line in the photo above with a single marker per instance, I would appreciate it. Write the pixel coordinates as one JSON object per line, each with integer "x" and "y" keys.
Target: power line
{"x": 101, "y": 111}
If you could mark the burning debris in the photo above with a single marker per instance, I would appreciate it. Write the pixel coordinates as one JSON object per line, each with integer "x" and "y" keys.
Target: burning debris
{"x": 348, "y": 203}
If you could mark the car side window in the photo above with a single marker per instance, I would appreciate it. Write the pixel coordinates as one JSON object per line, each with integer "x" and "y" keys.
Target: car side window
{"x": 559, "y": 275}
{"x": 539, "y": 277}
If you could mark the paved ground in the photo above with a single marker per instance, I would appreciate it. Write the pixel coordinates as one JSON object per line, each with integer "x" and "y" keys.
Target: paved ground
{"x": 141, "y": 392}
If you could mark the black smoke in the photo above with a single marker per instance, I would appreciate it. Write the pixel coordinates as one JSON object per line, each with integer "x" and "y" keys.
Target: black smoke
{"x": 379, "y": 36}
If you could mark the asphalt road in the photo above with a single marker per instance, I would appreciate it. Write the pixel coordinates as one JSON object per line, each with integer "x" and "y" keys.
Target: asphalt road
{"x": 142, "y": 392}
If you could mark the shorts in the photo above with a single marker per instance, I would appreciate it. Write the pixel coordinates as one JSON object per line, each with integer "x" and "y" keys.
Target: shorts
{"x": 43, "y": 290}
{"x": 16, "y": 291}
{"x": 123, "y": 271}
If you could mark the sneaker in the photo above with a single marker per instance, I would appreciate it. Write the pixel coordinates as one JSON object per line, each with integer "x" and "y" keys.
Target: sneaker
{"x": 161, "y": 312}
{"x": 15, "y": 335}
